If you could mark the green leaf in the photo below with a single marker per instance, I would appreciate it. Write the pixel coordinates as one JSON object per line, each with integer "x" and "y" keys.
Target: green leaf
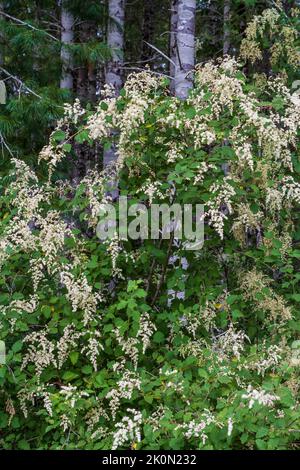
{"x": 101, "y": 378}
{"x": 190, "y": 113}
{"x": 158, "y": 337}
{"x": 82, "y": 136}
{"x": 58, "y": 135}
{"x": 46, "y": 311}
{"x": 67, "y": 147}
{"x": 74, "y": 355}
{"x": 87, "y": 369}
{"x": 203, "y": 373}
{"x": 262, "y": 432}
{"x": 261, "y": 445}
{"x": 295, "y": 297}
{"x": 70, "y": 375}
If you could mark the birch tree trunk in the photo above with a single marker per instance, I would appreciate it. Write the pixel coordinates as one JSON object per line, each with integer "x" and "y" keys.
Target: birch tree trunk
{"x": 67, "y": 37}
{"x": 173, "y": 41}
{"x": 226, "y": 27}
{"x": 185, "y": 47}
{"x": 182, "y": 53}
{"x": 115, "y": 41}
{"x": 114, "y": 74}
{"x": 1, "y": 52}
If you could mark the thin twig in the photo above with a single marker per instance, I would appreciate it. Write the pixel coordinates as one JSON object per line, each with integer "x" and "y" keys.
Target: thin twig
{"x": 162, "y": 277}
{"x": 151, "y": 71}
{"x": 17, "y": 20}
{"x": 160, "y": 52}
{"x": 153, "y": 264}
{"x": 19, "y": 81}
{"x": 4, "y": 144}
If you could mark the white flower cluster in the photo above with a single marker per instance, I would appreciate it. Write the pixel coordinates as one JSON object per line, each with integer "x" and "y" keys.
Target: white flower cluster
{"x": 128, "y": 430}
{"x": 10, "y": 410}
{"x": 93, "y": 416}
{"x": 173, "y": 380}
{"x": 93, "y": 347}
{"x": 208, "y": 315}
{"x": 125, "y": 388}
{"x": 284, "y": 44}
{"x": 194, "y": 429}
{"x": 220, "y": 205}
{"x": 230, "y": 343}
{"x": 28, "y": 306}
{"x": 259, "y": 396}
{"x": 73, "y": 112}
{"x": 67, "y": 341}
{"x": 152, "y": 190}
{"x": 72, "y": 395}
{"x": 252, "y": 284}
{"x": 176, "y": 152}
{"x": 138, "y": 89}
{"x": 221, "y": 82}
{"x": 65, "y": 422}
{"x": 18, "y": 306}
{"x": 273, "y": 356}
{"x": 25, "y": 395}
{"x": 129, "y": 346}
{"x": 53, "y": 232}
{"x": 94, "y": 183}
{"x": 155, "y": 418}
{"x": 102, "y": 122}
{"x": 243, "y": 150}
{"x": 246, "y": 222}
{"x": 229, "y": 426}
{"x": 274, "y": 199}
{"x": 291, "y": 189}
{"x": 81, "y": 295}
{"x": 40, "y": 352}
{"x": 146, "y": 330}
{"x": 114, "y": 248}
{"x": 203, "y": 169}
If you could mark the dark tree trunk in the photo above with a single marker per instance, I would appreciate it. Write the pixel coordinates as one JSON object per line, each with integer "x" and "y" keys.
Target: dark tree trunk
{"x": 148, "y": 29}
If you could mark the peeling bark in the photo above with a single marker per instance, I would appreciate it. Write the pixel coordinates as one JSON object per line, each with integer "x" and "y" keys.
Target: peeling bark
{"x": 185, "y": 47}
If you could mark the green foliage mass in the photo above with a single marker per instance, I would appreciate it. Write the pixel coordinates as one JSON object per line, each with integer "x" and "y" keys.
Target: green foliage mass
{"x": 97, "y": 358}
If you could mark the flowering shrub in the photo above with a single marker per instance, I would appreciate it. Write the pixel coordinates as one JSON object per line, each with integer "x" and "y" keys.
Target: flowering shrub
{"x": 100, "y": 355}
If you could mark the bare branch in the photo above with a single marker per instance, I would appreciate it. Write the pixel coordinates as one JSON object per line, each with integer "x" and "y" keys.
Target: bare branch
{"x": 28, "y": 25}
{"x": 21, "y": 84}
{"x": 161, "y": 53}
{"x": 4, "y": 144}
{"x": 150, "y": 71}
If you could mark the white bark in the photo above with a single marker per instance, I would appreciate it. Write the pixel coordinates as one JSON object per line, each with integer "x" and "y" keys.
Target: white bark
{"x": 115, "y": 41}
{"x": 114, "y": 75}
{"x": 185, "y": 47}
{"x": 173, "y": 41}
{"x": 67, "y": 37}
{"x": 226, "y": 27}
{"x": 182, "y": 41}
